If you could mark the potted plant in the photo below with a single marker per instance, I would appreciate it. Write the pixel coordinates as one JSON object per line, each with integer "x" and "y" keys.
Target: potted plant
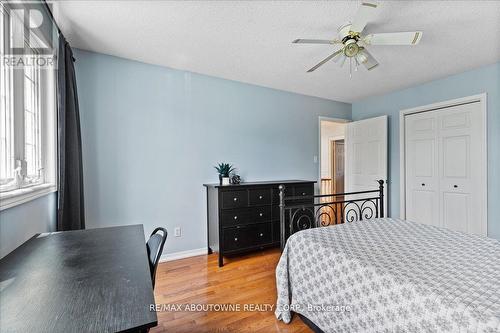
{"x": 224, "y": 169}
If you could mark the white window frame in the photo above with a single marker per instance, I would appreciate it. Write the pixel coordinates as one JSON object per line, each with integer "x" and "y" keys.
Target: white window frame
{"x": 29, "y": 190}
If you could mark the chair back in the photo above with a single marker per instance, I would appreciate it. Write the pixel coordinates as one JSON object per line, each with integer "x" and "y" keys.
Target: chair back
{"x": 154, "y": 246}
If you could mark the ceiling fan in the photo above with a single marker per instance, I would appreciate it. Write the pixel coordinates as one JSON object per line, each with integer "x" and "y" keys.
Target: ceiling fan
{"x": 353, "y": 42}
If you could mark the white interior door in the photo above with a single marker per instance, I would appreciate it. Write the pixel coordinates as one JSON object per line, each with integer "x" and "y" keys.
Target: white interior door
{"x": 421, "y": 160}
{"x": 445, "y": 165}
{"x": 461, "y": 163}
{"x": 366, "y": 155}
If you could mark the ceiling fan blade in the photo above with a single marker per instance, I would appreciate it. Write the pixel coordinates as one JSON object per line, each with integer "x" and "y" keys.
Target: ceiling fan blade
{"x": 364, "y": 57}
{"x": 315, "y": 41}
{"x": 394, "y": 38}
{"x": 322, "y": 62}
{"x": 365, "y": 13}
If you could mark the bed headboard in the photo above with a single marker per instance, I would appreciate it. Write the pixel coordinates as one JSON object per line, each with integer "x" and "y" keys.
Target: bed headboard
{"x": 305, "y": 212}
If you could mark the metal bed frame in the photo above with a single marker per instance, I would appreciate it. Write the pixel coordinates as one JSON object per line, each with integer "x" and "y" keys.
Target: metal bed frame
{"x": 305, "y": 212}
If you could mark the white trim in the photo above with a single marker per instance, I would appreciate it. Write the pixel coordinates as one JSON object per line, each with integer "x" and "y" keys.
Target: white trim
{"x": 183, "y": 254}
{"x": 333, "y": 120}
{"x": 482, "y": 99}
{"x": 336, "y": 138}
{"x": 16, "y": 197}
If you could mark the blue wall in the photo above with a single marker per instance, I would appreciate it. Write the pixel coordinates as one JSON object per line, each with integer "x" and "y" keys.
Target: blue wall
{"x": 151, "y": 136}
{"x": 485, "y": 79}
{"x": 19, "y": 223}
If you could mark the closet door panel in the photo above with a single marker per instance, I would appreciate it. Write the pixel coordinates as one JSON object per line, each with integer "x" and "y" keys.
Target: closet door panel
{"x": 421, "y": 169}
{"x": 423, "y": 207}
{"x": 461, "y": 152}
{"x": 456, "y": 156}
{"x": 456, "y": 211}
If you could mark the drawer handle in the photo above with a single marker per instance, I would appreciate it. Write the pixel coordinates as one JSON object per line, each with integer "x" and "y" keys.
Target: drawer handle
{"x": 260, "y": 214}
{"x": 261, "y": 234}
{"x": 235, "y": 217}
{"x": 455, "y": 186}
{"x": 235, "y": 239}
{"x": 260, "y": 196}
{"x": 235, "y": 199}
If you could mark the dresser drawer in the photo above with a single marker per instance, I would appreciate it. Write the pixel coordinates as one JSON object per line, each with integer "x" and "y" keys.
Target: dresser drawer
{"x": 238, "y": 216}
{"x": 233, "y": 217}
{"x": 234, "y": 199}
{"x": 248, "y": 236}
{"x": 262, "y": 234}
{"x": 259, "y": 196}
{"x": 303, "y": 190}
{"x": 260, "y": 214}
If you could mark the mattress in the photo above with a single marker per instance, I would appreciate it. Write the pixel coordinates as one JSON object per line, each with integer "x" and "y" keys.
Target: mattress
{"x": 390, "y": 275}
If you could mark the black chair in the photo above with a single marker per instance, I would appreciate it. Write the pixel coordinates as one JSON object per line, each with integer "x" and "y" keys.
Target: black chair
{"x": 155, "y": 248}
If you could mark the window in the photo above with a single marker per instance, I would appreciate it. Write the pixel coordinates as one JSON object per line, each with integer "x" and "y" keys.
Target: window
{"x": 32, "y": 125}
{"x": 6, "y": 115}
{"x": 27, "y": 123}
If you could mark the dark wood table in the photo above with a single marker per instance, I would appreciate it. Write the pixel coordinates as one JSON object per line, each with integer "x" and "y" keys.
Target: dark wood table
{"x": 94, "y": 280}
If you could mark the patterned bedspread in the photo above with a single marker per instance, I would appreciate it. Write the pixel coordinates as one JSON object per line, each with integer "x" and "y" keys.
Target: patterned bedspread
{"x": 389, "y": 275}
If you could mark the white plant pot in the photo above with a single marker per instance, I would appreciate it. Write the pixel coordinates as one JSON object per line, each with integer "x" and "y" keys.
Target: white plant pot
{"x": 225, "y": 180}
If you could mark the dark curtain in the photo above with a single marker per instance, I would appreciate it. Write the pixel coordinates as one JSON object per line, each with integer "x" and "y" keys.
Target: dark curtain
{"x": 70, "y": 206}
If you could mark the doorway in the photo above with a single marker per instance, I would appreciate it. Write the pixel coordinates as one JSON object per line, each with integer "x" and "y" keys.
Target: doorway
{"x": 332, "y": 164}
{"x": 337, "y": 160}
{"x": 332, "y": 156}
{"x": 353, "y": 158}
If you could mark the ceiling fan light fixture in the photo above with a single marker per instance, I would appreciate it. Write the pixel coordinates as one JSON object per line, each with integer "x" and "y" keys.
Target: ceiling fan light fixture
{"x": 351, "y": 49}
{"x": 354, "y": 41}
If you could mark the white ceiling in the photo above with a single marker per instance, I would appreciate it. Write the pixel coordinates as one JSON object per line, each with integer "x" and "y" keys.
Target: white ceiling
{"x": 250, "y": 41}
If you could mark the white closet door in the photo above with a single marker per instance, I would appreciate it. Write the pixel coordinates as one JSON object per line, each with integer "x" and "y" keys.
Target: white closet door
{"x": 422, "y": 180}
{"x": 460, "y": 160}
{"x": 444, "y": 163}
{"x": 366, "y": 155}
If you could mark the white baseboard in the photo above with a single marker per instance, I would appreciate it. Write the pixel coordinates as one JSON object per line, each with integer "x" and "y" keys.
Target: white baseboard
{"x": 183, "y": 254}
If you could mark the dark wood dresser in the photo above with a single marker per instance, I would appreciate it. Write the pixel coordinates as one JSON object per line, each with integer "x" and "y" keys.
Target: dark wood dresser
{"x": 245, "y": 217}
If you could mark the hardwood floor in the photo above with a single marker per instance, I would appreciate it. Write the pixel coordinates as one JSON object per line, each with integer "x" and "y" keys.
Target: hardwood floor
{"x": 243, "y": 280}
